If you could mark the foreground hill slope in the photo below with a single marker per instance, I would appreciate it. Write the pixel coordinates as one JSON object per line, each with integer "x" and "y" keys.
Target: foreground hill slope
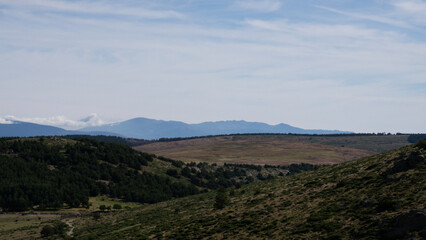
{"x": 275, "y": 149}
{"x": 378, "y": 197}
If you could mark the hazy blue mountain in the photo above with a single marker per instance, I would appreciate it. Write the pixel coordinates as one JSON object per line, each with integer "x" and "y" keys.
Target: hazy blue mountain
{"x": 154, "y": 129}
{"x": 227, "y": 127}
{"x": 26, "y": 129}
{"x": 148, "y": 129}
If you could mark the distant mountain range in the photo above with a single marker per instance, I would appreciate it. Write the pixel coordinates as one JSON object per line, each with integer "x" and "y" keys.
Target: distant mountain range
{"x": 26, "y": 129}
{"x": 145, "y": 128}
{"x": 154, "y": 129}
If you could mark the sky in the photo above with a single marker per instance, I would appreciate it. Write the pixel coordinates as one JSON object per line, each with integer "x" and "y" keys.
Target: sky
{"x": 352, "y": 65}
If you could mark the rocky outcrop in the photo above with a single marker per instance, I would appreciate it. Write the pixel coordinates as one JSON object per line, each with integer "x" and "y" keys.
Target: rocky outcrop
{"x": 406, "y": 163}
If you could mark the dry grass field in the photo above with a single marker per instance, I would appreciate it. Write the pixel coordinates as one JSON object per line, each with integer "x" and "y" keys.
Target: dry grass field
{"x": 275, "y": 149}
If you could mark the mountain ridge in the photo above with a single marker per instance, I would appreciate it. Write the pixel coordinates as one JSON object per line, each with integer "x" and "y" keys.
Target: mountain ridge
{"x": 27, "y": 129}
{"x": 146, "y": 128}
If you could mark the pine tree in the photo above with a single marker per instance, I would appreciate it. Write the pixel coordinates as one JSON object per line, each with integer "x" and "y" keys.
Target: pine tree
{"x": 222, "y": 198}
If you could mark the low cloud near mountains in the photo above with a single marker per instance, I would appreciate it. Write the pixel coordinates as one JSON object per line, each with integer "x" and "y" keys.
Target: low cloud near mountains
{"x": 57, "y": 121}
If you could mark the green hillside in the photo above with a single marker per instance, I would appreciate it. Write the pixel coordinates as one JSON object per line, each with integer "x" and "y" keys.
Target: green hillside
{"x": 378, "y": 197}
{"x": 55, "y": 173}
{"x": 52, "y": 173}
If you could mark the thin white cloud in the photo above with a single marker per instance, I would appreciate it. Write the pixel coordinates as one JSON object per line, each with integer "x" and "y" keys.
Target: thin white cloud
{"x": 91, "y": 7}
{"x": 412, "y": 10}
{"x": 373, "y": 18}
{"x": 5, "y": 120}
{"x": 321, "y": 31}
{"x": 411, "y": 6}
{"x": 57, "y": 121}
{"x": 268, "y": 25}
{"x": 259, "y": 5}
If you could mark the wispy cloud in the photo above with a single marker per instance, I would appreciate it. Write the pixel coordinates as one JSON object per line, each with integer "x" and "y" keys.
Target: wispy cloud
{"x": 374, "y": 18}
{"x": 92, "y": 7}
{"x": 411, "y": 6}
{"x": 268, "y": 25}
{"x": 57, "y": 121}
{"x": 322, "y": 32}
{"x": 414, "y": 10}
{"x": 259, "y": 5}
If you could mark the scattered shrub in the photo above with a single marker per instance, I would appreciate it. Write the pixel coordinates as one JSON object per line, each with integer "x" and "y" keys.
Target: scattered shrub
{"x": 96, "y": 216}
{"x": 386, "y": 205}
{"x": 57, "y": 229}
{"x": 422, "y": 144}
{"x": 47, "y": 231}
{"x": 172, "y": 172}
{"x": 222, "y": 199}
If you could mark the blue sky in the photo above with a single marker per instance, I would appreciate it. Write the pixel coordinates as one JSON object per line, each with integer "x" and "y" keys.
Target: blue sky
{"x": 337, "y": 64}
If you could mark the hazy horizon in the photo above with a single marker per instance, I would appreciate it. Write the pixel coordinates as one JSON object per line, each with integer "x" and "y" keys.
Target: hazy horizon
{"x": 94, "y": 120}
{"x": 346, "y": 65}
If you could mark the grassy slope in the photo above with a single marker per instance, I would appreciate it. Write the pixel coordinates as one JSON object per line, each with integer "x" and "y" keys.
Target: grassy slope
{"x": 17, "y": 226}
{"x": 353, "y": 200}
{"x": 377, "y": 143}
{"x": 275, "y": 149}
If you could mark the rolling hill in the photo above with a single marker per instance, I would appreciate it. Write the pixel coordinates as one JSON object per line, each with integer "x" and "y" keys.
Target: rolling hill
{"x": 275, "y": 149}
{"x": 377, "y": 197}
{"x": 155, "y": 129}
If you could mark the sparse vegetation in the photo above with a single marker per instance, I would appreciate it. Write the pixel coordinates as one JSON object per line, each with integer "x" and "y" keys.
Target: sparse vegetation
{"x": 275, "y": 149}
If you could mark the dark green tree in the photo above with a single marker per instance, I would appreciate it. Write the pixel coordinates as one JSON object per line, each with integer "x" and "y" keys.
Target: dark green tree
{"x": 47, "y": 231}
{"x": 222, "y": 198}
